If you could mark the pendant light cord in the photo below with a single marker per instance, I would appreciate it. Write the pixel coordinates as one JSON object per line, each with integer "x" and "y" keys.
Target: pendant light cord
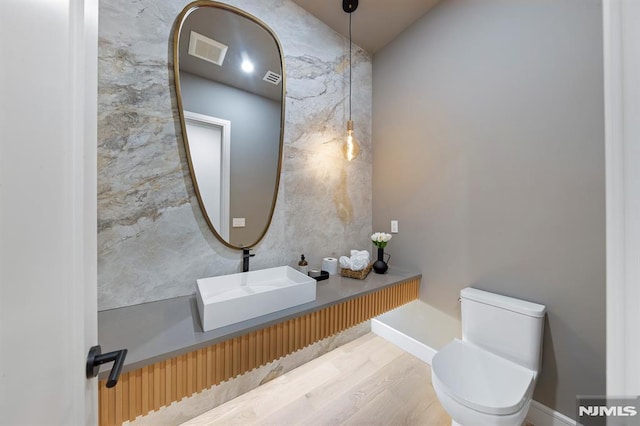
{"x": 350, "y": 65}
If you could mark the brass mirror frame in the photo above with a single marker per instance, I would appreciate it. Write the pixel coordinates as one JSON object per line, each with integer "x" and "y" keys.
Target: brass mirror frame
{"x": 191, "y": 7}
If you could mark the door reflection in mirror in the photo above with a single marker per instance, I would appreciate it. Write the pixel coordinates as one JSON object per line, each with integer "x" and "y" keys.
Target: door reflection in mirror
{"x": 209, "y": 141}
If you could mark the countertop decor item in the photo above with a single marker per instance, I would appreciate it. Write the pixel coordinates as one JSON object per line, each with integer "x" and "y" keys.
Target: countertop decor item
{"x": 330, "y": 264}
{"x": 360, "y": 275}
{"x": 358, "y": 260}
{"x": 318, "y": 274}
{"x": 303, "y": 265}
{"x": 357, "y": 266}
{"x": 380, "y": 240}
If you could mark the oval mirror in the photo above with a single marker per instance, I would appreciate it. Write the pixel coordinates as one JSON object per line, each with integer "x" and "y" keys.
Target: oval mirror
{"x": 229, "y": 78}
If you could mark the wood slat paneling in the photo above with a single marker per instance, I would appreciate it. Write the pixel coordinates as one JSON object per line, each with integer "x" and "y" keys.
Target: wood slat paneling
{"x": 149, "y": 388}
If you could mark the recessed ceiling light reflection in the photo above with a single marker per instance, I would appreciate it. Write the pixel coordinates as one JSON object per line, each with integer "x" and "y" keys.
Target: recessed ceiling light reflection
{"x": 247, "y": 66}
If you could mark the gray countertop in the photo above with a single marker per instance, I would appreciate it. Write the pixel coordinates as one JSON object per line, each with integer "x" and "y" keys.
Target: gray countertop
{"x": 156, "y": 331}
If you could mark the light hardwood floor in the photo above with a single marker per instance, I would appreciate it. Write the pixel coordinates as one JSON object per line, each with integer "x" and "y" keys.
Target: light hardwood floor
{"x": 368, "y": 381}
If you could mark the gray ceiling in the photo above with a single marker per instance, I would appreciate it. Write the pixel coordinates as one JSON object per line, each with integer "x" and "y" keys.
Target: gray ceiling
{"x": 374, "y": 24}
{"x": 244, "y": 38}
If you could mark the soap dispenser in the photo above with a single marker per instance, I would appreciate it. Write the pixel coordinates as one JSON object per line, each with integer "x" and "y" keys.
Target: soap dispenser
{"x": 303, "y": 266}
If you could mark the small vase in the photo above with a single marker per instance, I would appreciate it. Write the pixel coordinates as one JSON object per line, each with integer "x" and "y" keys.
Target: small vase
{"x": 380, "y": 266}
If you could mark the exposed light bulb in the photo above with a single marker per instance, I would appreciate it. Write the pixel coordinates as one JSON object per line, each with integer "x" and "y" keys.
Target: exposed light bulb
{"x": 247, "y": 66}
{"x": 351, "y": 147}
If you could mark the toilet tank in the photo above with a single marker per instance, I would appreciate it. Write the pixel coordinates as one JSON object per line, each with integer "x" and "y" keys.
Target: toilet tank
{"x": 509, "y": 327}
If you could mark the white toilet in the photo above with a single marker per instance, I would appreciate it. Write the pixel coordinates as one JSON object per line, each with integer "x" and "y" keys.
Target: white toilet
{"x": 488, "y": 377}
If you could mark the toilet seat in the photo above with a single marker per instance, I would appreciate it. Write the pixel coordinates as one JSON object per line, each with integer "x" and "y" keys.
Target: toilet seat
{"x": 481, "y": 380}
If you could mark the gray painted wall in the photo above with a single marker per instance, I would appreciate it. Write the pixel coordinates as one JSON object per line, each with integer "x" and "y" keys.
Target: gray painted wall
{"x": 489, "y": 150}
{"x": 255, "y": 147}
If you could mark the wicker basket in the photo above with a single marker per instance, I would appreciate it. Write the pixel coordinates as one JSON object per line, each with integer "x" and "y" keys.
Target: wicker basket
{"x": 360, "y": 275}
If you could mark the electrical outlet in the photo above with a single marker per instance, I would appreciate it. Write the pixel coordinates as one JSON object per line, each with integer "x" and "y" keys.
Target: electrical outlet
{"x": 238, "y": 222}
{"x": 394, "y": 226}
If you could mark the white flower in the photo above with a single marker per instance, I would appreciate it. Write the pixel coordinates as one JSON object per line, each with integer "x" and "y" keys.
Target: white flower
{"x": 380, "y": 239}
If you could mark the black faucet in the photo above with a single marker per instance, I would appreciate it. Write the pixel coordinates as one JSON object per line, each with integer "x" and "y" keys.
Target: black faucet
{"x": 245, "y": 259}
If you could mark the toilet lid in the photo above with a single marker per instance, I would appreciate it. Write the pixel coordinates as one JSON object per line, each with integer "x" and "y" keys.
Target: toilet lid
{"x": 480, "y": 379}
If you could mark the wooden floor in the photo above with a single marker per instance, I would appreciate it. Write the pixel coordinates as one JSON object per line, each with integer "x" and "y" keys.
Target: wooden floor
{"x": 366, "y": 382}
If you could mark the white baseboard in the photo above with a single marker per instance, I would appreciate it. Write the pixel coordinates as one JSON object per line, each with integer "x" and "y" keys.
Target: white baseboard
{"x": 404, "y": 342}
{"x": 539, "y": 415}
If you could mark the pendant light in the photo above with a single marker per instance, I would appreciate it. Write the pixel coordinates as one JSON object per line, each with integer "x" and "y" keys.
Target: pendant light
{"x": 351, "y": 148}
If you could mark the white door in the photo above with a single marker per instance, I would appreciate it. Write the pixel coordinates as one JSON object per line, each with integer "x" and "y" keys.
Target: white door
{"x": 209, "y": 144}
{"x": 621, "y": 29}
{"x": 48, "y": 304}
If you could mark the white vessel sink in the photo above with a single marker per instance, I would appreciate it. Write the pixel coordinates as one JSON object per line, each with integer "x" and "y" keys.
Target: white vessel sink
{"x": 229, "y": 299}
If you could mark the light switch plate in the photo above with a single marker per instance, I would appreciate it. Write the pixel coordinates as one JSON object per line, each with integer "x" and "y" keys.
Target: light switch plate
{"x": 238, "y": 222}
{"x": 394, "y": 226}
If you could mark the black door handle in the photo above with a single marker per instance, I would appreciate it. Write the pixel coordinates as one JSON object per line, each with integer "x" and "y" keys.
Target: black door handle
{"x": 96, "y": 358}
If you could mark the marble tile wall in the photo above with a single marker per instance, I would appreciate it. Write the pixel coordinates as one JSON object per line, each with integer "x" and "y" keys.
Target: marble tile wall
{"x": 153, "y": 242}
